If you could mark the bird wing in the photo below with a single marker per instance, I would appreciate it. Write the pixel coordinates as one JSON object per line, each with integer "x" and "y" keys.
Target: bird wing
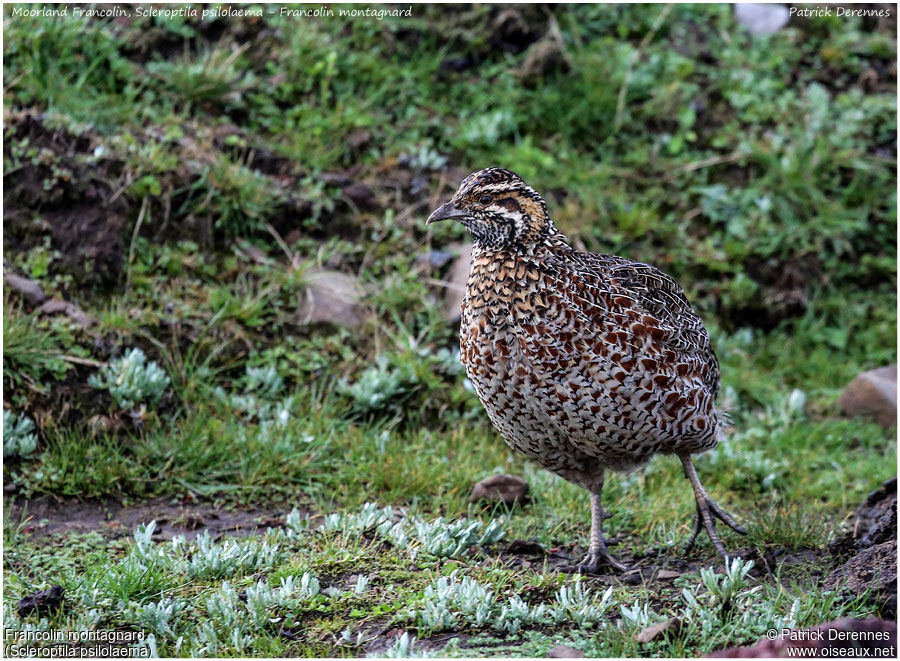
{"x": 658, "y": 295}
{"x": 616, "y": 349}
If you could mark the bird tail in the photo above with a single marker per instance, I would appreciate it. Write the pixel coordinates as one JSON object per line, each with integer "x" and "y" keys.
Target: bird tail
{"x": 724, "y": 424}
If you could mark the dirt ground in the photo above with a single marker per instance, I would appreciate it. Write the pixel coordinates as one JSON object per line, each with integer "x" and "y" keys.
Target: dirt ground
{"x": 43, "y": 517}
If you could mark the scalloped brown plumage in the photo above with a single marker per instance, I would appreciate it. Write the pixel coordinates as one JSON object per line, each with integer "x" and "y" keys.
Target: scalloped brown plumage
{"x": 584, "y": 362}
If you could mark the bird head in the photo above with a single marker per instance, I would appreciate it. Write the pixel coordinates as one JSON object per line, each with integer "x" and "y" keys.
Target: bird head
{"x": 499, "y": 209}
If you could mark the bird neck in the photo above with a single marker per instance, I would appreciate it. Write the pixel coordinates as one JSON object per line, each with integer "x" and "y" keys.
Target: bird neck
{"x": 547, "y": 237}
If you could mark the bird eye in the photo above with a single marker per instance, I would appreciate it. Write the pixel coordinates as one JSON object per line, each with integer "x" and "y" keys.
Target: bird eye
{"x": 486, "y": 199}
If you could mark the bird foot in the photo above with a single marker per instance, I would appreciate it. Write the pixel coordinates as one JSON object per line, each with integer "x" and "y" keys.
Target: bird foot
{"x": 593, "y": 562}
{"x": 707, "y": 512}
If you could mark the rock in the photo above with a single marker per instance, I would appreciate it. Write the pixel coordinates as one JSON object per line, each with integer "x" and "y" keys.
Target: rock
{"x": 673, "y": 624}
{"x": 334, "y": 178}
{"x": 523, "y": 547}
{"x": 41, "y": 602}
{"x": 418, "y": 185}
{"x": 872, "y": 394}
{"x": 631, "y": 577}
{"x": 511, "y": 31}
{"x": 500, "y": 488}
{"x": 761, "y": 19}
{"x": 255, "y": 253}
{"x": 332, "y": 297}
{"x": 59, "y": 306}
{"x": 361, "y": 195}
{"x": 27, "y": 289}
{"x": 565, "y": 652}
{"x": 666, "y": 575}
{"x": 542, "y": 58}
{"x": 104, "y": 423}
{"x": 434, "y": 258}
{"x": 456, "y": 64}
{"x": 358, "y": 139}
{"x": 810, "y": 643}
{"x": 456, "y": 283}
{"x": 293, "y": 236}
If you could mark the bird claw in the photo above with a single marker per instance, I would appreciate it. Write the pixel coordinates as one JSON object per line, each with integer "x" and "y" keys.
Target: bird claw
{"x": 594, "y": 561}
{"x": 707, "y": 512}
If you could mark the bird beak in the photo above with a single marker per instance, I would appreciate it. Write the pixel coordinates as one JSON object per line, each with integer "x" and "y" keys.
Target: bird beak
{"x": 444, "y": 212}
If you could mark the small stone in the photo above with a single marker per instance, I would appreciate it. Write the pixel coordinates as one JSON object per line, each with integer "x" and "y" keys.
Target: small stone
{"x": 665, "y": 574}
{"x": 456, "y": 64}
{"x": 511, "y": 28}
{"x": 54, "y": 306}
{"x": 500, "y": 488}
{"x": 104, "y": 423}
{"x": 334, "y": 178}
{"x": 542, "y": 58}
{"x": 293, "y": 236}
{"x": 456, "y": 282}
{"x": 360, "y": 195}
{"x": 28, "y": 289}
{"x": 418, "y": 185}
{"x": 761, "y": 19}
{"x": 434, "y": 258}
{"x": 631, "y": 577}
{"x": 332, "y": 297}
{"x": 358, "y": 139}
{"x": 523, "y": 547}
{"x": 42, "y": 602}
{"x": 59, "y": 306}
{"x": 673, "y": 624}
{"x": 565, "y": 652}
{"x": 255, "y": 253}
{"x": 872, "y": 394}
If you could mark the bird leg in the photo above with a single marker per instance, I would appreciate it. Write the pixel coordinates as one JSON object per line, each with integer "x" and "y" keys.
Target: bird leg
{"x": 707, "y": 512}
{"x": 598, "y": 555}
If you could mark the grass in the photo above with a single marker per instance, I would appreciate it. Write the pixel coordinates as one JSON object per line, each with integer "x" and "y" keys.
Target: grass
{"x": 208, "y": 598}
{"x": 760, "y": 173}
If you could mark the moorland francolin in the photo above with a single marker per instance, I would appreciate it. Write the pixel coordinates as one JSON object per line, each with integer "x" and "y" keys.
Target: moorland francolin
{"x": 584, "y": 362}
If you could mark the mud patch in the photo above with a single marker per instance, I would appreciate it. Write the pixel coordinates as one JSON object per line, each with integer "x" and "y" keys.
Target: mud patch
{"x": 657, "y": 568}
{"x": 871, "y": 545}
{"x": 644, "y": 569}
{"x": 875, "y": 521}
{"x": 785, "y": 290}
{"x": 384, "y": 636}
{"x": 58, "y": 188}
{"x": 44, "y": 518}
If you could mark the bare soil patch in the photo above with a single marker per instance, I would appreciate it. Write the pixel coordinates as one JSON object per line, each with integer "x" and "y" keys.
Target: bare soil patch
{"x": 660, "y": 569}
{"x": 44, "y": 517}
{"x": 57, "y": 187}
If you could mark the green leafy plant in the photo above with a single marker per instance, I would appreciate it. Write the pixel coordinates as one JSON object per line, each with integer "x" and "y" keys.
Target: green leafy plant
{"x": 377, "y": 387}
{"x": 132, "y": 381}
{"x": 404, "y": 647}
{"x": 19, "y": 439}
